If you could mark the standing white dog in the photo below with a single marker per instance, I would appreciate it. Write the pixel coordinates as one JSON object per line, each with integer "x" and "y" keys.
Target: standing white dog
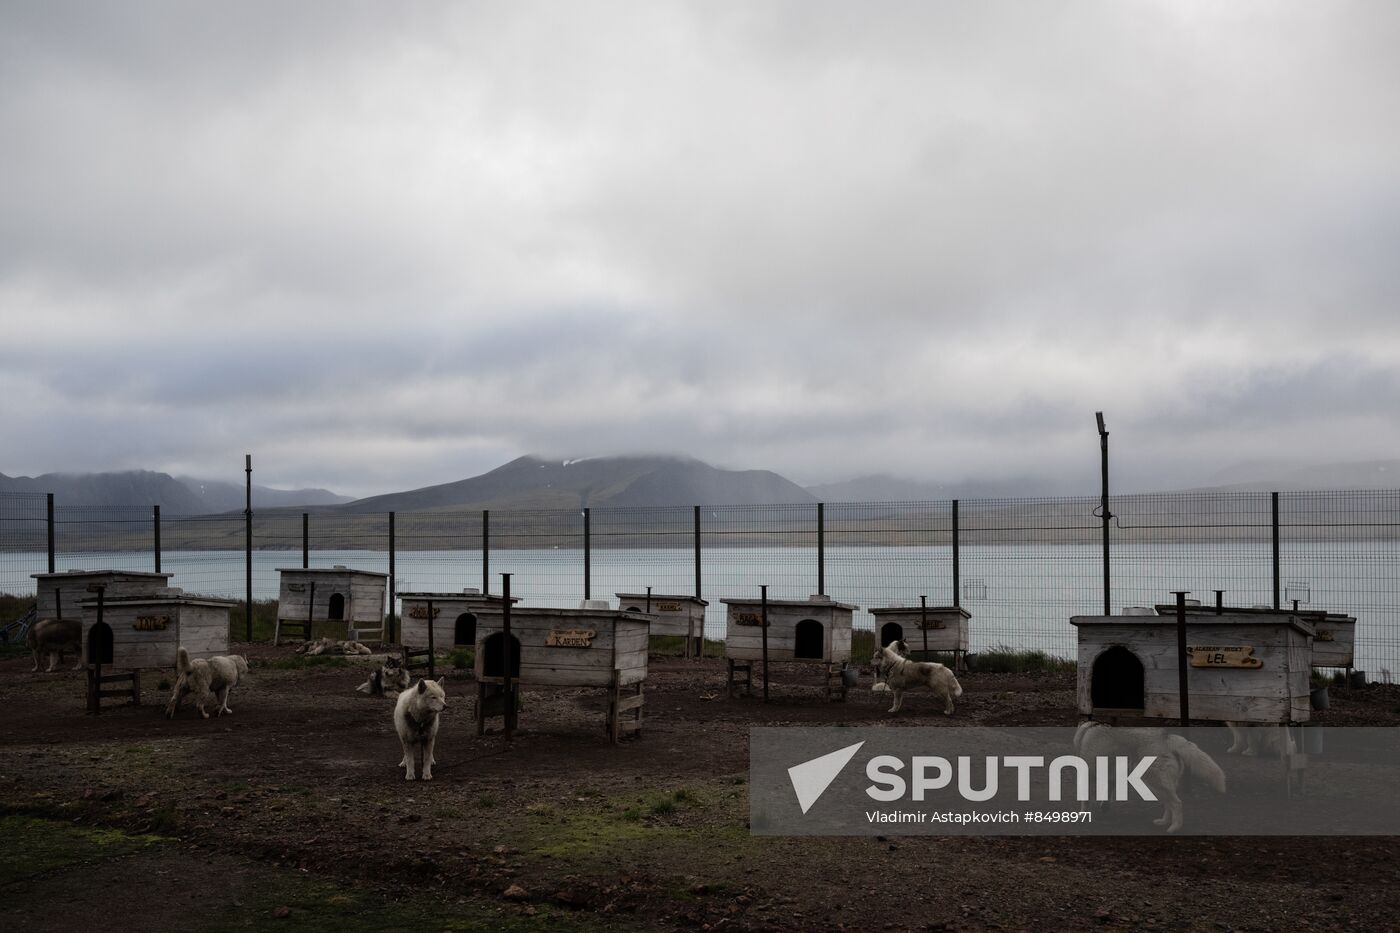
{"x": 203, "y": 680}
{"x": 1175, "y": 758}
{"x": 896, "y": 673}
{"x": 416, "y": 719}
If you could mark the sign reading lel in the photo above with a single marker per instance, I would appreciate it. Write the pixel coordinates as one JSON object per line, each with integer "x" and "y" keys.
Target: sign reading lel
{"x": 1218, "y": 656}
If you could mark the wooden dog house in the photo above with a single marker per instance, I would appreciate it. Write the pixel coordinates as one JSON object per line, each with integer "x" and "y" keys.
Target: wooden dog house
{"x": 816, "y": 630}
{"x": 1334, "y": 641}
{"x": 63, "y": 593}
{"x": 339, "y": 594}
{"x": 925, "y": 629}
{"x": 454, "y": 617}
{"x": 670, "y": 615}
{"x": 591, "y": 647}
{"x": 1244, "y": 667}
{"x": 132, "y": 633}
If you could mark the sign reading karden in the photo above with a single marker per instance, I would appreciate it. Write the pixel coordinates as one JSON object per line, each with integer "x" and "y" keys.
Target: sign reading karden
{"x": 1095, "y": 779}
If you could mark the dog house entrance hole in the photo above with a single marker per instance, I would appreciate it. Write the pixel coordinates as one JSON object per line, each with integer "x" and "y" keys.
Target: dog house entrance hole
{"x": 807, "y": 639}
{"x": 890, "y": 632}
{"x": 493, "y": 665}
{"x": 1116, "y": 681}
{"x": 464, "y": 631}
{"x": 100, "y": 644}
{"x": 336, "y": 611}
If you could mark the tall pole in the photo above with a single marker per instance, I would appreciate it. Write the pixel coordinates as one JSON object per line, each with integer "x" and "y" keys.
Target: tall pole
{"x": 763, "y": 623}
{"x": 923, "y": 622}
{"x": 305, "y": 540}
{"x": 957, "y": 568}
{"x": 155, "y": 533}
{"x": 50, "y": 523}
{"x": 821, "y": 548}
{"x": 697, "y": 553}
{"x": 486, "y": 552}
{"x": 1181, "y": 661}
{"x": 393, "y": 583}
{"x": 507, "y": 693}
{"x": 1103, "y": 508}
{"x": 587, "y": 554}
{"x": 1274, "y": 498}
{"x": 248, "y": 547}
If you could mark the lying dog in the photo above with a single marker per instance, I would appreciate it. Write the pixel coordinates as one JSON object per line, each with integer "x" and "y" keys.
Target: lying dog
{"x": 53, "y": 637}
{"x": 332, "y": 646}
{"x": 205, "y": 679}
{"x": 416, "y": 720}
{"x": 388, "y": 676}
{"x": 896, "y": 673}
{"x": 1250, "y": 738}
{"x": 1176, "y": 757}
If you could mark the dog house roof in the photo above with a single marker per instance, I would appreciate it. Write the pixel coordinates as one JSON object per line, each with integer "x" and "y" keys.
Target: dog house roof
{"x": 1310, "y": 615}
{"x": 604, "y": 615}
{"x": 76, "y": 574}
{"x": 454, "y": 597}
{"x": 164, "y": 599}
{"x": 696, "y": 600}
{"x": 902, "y": 610}
{"x": 810, "y": 602}
{"x": 1230, "y": 617}
{"x": 333, "y": 570}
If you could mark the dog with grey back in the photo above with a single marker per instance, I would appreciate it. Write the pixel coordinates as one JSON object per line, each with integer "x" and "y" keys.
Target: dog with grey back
{"x": 205, "y": 680}
{"x": 389, "y": 677}
{"x": 1175, "y": 758}
{"x": 895, "y": 673}
{"x": 53, "y": 637}
{"x": 1251, "y": 738}
{"x": 416, "y": 716}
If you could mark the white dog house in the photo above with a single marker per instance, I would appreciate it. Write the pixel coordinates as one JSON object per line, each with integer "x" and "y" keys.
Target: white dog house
{"x": 131, "y": 633}
{"x": 670, "y": 615}
{"x": 816, "y": 630}
{"x": 932, "y": 628}
{"x": 591, "y": 647}
{"x": 339, "y": 594}
{"x": 66, "y": 591}
{"x": 1243, "y": 666}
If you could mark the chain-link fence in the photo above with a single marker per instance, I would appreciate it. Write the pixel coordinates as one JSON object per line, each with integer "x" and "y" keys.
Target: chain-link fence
{"x": 1021, "y": 567}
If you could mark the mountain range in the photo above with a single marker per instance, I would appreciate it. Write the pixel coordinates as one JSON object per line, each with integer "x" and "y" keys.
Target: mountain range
{"x": 537, "y": 483}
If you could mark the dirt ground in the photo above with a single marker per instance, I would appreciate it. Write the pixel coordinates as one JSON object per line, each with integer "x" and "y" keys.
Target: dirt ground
{"x": 292, "y": 814}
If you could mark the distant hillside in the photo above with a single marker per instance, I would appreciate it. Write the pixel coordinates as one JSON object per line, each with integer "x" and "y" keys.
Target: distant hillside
{"x": 219, "y": 496}
{"x": 534, "y": 483}
{"x": 881, "y": 488}
{"x": 144, "y": 488}
{"x": 1262, "y": 477}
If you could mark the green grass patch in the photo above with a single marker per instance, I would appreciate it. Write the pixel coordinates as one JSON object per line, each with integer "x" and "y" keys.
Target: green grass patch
{"x": 1004, "y": 660}
{"x": 462, "y": 659}
{"x": 673, "y": 646}
{"x": 35, "y": 845}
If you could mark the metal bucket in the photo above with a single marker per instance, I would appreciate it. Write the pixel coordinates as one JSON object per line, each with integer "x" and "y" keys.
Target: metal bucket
{"x": 850, "y": 676}
{"x": 1319, "y": 698}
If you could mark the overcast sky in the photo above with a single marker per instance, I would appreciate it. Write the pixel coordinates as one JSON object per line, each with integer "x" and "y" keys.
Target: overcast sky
{"x": 383, "y": 245}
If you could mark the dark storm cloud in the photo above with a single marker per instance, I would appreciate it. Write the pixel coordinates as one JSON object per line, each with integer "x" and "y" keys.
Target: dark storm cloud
{"x": 389, "y": 245}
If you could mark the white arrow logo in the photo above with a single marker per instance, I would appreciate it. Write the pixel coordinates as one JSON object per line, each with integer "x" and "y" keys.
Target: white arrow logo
{"x": 811, "y": 778}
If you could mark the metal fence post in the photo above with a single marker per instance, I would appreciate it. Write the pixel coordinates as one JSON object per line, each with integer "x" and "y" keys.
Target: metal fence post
{"x": 393, "y": 587}
{"x": 1181, "y": 661}
{"x": 305, "y": 540}
{"x": 697, "y": 553}
{"x": 155, "y": 533}
{"x": 486, "y": 552}
{"x": 821, "y": 548}
{"x": 1274, "y": 499}
{"x": 50, "y": 532}
{"x": 957, "y": 583}
{"x": 587, "y": 554}
{"x": 248, "y": 547}
{"x": 1103, "y": 505}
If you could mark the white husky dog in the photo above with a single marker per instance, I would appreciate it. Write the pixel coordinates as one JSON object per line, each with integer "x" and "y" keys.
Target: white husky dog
{"x": 1176, "y": 757}
{"x": 416, "y": 719}
{"x": 895, "y": 673}
{"x": 205, "y": 679}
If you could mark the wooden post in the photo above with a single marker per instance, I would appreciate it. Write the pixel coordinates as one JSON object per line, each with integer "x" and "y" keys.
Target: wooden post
{"x": 508, "y": 697}
{"x": 155, "y": 532}
{"x": 1181, "y": 658}
{"x": 389, "y": 626}
{"x": 50, "y": 529}
{"x": 305, "y": 540}
{"x": 923, "y": 623}
{"x": 432, "y": 649}
{"x": 485, "y": 552}
{"x": 248, "y": 548}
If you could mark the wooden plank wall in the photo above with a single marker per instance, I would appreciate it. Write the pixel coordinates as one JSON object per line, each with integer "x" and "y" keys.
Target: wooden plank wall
{"x": 203, "y": 630}
{"x": 688, "y": 618}
{"x": 364, "y": 596}
{"x": 620, "y": 645}
{"x": 1276, "y": 692}
{"x": 75, "y": 590}
{"x": 952, "y": 636}
{"x": 745, "y": 642}
{"x": 1335, "y": 644}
